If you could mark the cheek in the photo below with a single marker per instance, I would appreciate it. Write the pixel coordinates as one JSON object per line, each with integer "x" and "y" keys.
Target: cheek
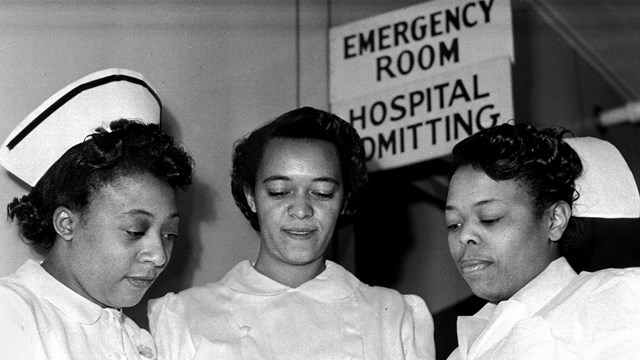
{"x": 523, "y": 238}
{"x": 266, "y": 205}
{"x": 125, "y": 256}
{"x": 95, "y": 248}
{"x": 512, "y": 252}
{"x": 330, "y": 212}
{"x": 454, "y": 245}
{"x": 267, "y": 215}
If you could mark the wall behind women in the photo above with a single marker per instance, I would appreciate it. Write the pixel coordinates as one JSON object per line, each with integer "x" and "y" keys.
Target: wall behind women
{"x": 220, "y": 67}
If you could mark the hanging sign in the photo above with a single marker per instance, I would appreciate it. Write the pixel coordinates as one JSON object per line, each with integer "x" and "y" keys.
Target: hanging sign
{"x": 415, "y": 81}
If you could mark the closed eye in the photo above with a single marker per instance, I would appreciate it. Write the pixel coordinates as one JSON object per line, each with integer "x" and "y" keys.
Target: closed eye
{"x": 277, "y": 194}
{"x": 490, "y": 221}
{"x": 323, "y": 195}
{"x": 136, "y": 234}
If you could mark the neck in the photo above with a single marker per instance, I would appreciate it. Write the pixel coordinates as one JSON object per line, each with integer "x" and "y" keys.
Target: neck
{"x": 58, "y": 266}
{"x": 54, "y": 264}
{"x": 291, "y": 275}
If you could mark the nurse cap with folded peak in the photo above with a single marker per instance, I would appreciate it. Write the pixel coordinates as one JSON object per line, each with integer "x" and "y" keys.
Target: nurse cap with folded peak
{"x": 606, "y": 186}
{"x": 66, "y": 118}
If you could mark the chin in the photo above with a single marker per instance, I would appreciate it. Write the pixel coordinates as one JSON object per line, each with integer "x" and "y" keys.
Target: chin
{"x": 303, "y": 256}
{"x": 126, "y": 301}
{"x": 490, "y": 296}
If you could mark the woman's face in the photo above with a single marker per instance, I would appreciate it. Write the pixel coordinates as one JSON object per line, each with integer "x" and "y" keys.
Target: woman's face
{"x": 495, "y": 239}
{"x": 298, "y": 196}
{"x": 123, "y": 240}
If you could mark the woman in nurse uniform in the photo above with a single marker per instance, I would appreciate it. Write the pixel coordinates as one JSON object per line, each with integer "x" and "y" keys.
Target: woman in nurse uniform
{"x": 103, "y": 203}
{"x": 295, "y": 179}
{"x": 511, "y": 215}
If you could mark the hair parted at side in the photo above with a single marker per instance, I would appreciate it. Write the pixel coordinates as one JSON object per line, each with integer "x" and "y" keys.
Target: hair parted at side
{"x": 540, "y": 160}
{"x": 129, "y": 148}
{"x": 302, "y": 123}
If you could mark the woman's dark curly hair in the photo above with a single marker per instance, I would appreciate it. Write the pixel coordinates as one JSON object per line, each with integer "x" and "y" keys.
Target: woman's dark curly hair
{"x": 130, "y": 147}
{"x": 540, "y": 160}
{"x": 302, "y": 123}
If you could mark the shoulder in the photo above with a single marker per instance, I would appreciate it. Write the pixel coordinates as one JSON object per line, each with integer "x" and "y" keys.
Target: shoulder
{"x": 172, "y": 317}
{"x": 596, "y": 314}
{"x": 13, "y": 300}
{"x": 402, "y": 314}
{"x": 603, "y": 293}
{"x": 17, "y": 308}
{"x": 612, "y": 275}
{"x": 18, "y": 325}
{"x": 177, "y": 304}
{"x": 391, "y": 299}
{"x": 15, "y": 295}
{"x": 613, "y": 288}
{"x": 608, "y": 282}
{"x": 195, "y": 297}
{"x": 10, "y": 288}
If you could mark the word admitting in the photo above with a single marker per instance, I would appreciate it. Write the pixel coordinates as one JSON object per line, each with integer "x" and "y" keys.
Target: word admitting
{"x": 412, "y": 136}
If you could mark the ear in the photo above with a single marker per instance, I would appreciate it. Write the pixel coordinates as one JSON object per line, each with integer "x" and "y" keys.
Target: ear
{"x": 560, "y": 215}
{"x": 248, "y": 193}
{"x": 63, "y": 221}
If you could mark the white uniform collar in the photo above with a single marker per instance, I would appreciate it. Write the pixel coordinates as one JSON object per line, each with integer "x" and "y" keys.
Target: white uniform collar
{"x": 333, "y": 284}
{"x": 67, "y": 301}
{"x": 489, "y": 325}
{"x": 546, "y": 286}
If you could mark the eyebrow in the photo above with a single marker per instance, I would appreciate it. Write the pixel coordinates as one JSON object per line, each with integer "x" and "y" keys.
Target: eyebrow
{"x": 485, "y": 202}
{"x": 478, "y": 204}
{"x": 286, "y": 178}
{"x": 146, "y": 213}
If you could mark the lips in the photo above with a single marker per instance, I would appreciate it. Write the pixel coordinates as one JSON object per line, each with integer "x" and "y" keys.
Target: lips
{"x": 302, "y": 232}
{"x": 470, "y": 266}
{"x": 141, "y": 281}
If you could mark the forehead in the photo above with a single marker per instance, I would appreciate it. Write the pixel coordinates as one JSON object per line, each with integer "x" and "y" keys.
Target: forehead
{"x": 473, "y": 187}
{"x": 293, "y": 155}
{"x": 135, "y": 190}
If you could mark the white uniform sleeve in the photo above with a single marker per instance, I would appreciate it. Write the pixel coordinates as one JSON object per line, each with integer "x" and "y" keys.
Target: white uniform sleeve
{"x": 598, "y": 319}
{"x": 417, "y": 330}
{"x": 15, "y": 343}
{"x": 167, "y": 322}
{"x": 611, "y": 316}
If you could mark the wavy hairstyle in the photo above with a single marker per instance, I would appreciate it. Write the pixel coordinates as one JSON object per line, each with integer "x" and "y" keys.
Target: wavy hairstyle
{"x": 302, "y": 123}
{"x": 540, "y": 160}
{"x": 131, "y": 147}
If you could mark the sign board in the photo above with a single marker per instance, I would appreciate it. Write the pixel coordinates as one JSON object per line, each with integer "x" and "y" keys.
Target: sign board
{"x": 416, "y": 42}
{"x": 424, "y": 119}
{"x": 415, "y": 81}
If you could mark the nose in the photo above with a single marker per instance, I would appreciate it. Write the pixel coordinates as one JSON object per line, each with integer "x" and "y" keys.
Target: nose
{"x": 301, "y": 207}
{"x": 468, "y": 236}
{"x": 155, "y": 250}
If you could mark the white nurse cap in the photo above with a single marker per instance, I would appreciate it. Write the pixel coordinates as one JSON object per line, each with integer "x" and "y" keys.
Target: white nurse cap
{"x": 607, "y": 188}
{"x": 65, "y": 119}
